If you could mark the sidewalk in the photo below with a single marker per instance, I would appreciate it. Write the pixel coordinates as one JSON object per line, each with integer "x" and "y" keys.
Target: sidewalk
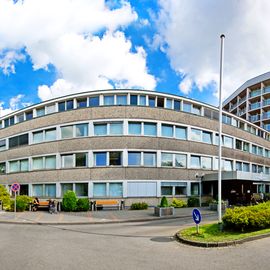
{"x": 96, "y": 217}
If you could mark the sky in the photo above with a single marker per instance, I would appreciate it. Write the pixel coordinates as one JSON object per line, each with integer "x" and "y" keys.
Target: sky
{"x": 51, "y": 48}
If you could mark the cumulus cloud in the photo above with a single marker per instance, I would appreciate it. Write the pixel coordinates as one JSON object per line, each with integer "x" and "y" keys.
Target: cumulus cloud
{"x": 14, "y": 104}
{"x": 82, "y": 39}
{"x": 191, "y": 31}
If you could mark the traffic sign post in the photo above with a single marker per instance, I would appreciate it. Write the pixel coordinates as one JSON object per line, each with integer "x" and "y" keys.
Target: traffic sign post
{"x": 197, "y": 218}
{"x": 15, "y": 187}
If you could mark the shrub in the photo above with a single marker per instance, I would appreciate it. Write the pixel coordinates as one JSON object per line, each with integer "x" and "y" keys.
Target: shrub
{"x": 248, "y": 218}
{"x": 69, "y": 201}
{"x": 22, "y": 203}
{"x": 164, "y": 202}
{"x": 4, "y": 197}
{"x": 83, "y": 204}
{"x": 139, "y": 206}
{"x": 178, "y": 203}
{"x": 193, "y": 202}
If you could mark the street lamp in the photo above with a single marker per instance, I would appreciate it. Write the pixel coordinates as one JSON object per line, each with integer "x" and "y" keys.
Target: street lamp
{"x": 222, "y": 37}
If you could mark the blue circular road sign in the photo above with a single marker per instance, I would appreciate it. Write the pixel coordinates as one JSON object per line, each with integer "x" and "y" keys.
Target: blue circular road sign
{"x": 196, "y": 216}
{"x": 15, "y": 187}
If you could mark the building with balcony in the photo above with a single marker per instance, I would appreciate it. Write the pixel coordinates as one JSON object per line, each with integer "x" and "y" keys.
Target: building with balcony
{"x": 134, "y": 145}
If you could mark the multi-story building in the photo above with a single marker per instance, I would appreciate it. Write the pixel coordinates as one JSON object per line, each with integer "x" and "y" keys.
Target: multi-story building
{"x": 130, "y": 144}
{"x": 251, "y": 101}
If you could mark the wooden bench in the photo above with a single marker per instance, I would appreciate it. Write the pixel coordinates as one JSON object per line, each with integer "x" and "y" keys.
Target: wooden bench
{"x": 107, "y": 204}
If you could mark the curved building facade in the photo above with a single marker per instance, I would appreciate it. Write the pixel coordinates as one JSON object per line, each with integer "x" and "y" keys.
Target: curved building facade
{"x": 130, "y": 144}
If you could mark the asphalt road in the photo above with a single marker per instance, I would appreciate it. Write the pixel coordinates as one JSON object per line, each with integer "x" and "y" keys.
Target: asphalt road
{"x": 129, "y": 246}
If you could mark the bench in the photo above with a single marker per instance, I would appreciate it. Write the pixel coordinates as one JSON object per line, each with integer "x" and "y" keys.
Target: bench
{"x": 107, "y": 204}
{"x": 45, "y": 204}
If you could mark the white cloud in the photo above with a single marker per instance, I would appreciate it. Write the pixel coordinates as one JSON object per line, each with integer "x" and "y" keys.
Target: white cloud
{"x": 192, "y": 29}
{"x": 64, "y": 33}
{"x": 14, "y": 104}
{"x": 8, "y": 60}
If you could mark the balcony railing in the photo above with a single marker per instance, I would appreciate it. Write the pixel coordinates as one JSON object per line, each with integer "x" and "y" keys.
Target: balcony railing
{"x": 242, "y": 100}
{"x": 266, "y": 115}
{"x": 254, "y": 106}
{"x": 266, "y": 90}
{"x": 243, "y": 111}
{"x": 255, "y": 93}
{"x": 233, "y": 106}
{"x": 255, "y": 118}
{"x": 266, "y": 102}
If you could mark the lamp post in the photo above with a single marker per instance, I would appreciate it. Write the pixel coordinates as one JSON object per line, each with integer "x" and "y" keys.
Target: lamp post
{"x": 222, "y": 37}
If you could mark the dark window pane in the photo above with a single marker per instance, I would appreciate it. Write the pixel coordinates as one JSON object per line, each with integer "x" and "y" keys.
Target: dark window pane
{"x": 61, "y": 106}
{"x": 133, "y": 100}
{"x": 177, "y": 105}
{"x": 11, "y": 121}
{"x": 13, "y": 142}
{"x": 152, "y": 102}
{"x": 6, "y": 122}
{"x": 2, "y": 167}
{"x": 81, "y": 160}
{"x": 160, "y": 102}
{"x": 23, "y": 139}
{"x": 81, "y": 103}
{"x": 29, "y": 115}
{"x": 115, "y": 158}
{"x": 207, "y": 113}
{"x": 70, "y": 105}
{"x": 94, "y": 102}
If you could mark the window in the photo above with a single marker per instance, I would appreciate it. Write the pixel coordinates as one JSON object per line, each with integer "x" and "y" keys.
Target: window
{"x": 50, "y": 109}
{"x": 141, "y": 189}
{"x": 2, "y": 145}
{"x": 160, "y": 102}
{"x": 134, "y": 158}
{"x": 173, "y": 188}
{"x": 195, "y": 189}
{"x": 187, "y": 107}
{"x": 195, "y": 134}
{"x": 38, "y": 190}
{"x": 254, "y": 168}
{"x": 260, "y": 151}
{"x": 115, "y": 190}
{"x": 227, "y": 165}
{"x": 61, "y": 106}
{"x": 115, "y": 158}
{"x": 65, "y": 187}
{"x": 206, "y": 163}
{"x": 100, "y": 129}
{"x": 176, "y": 106}
{"x": 150, "y": 129}
{"x": 134, "y": 128}
{"x": 166, "y": 159}
{"x": 67, "y": 161}
{"x": 121, "y": 100}
{"x": 50, "y": 190}
{"x": 152, "y": 101}
{"x": 196, "y": 110}
{"x": 254, "y": 149}
{"x": 108, "y": 100}
{"x": 166, "y": 130}
{"x": 18, "y": 141}
{"x": 50, "y": 162}
{"x": 81, "y": 103}
{"x": 180, "y": 161}
{"x": 116, "y": 128}
{"x": 29, "y": 115}
{"x": 50, "y": 134}
{"x": 245, "y": 167}
{"x": 207, "y": 137}
{"x": 238, "y": 144}
{"x": 169, "y": 103}
{"x": 133, "y": 100}
{"x": 69, "y": 105}
{"x": 149, "y": 159}
{"x": 19, "y": 165}
{"x": 100, "y": 159}
{"x": 99, "y": 189}
{"x": 228, "y": 141}
{"x": 195, "y": 162}
{"x": 142, "y": 100}
{"x": 66, "y": 132}
{"x": 81, "y": 130}
{"x": 238, "y": 166}
{"x": 81, "y": 189}
{"x": 2, "y": 167}
{"x": 37, "y": 163}
{"x": 81, "y": 159}
{"x": 20, "y": 118}
{"x": 246, "y": 147}
{"x": 207, "y": 113}
{"x": 94, "y": 101}
{"x": 181, "y": 133}
{"x": 40, "y": 111}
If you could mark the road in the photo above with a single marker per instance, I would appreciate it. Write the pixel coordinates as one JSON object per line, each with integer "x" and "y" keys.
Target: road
{"x": 129, "y": 246}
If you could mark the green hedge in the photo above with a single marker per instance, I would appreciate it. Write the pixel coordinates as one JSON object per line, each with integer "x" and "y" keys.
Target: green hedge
{"x": 178, "y": 203}
{"x": 139, "y": 206}
{"x": 83, "y": 204}
{"x": 4, "y": 197}
{"x": 193, "y": 202}
{"x": 22, "y": 203}
{"x": 248, "y": 218}
{"x": 69, "y": 201}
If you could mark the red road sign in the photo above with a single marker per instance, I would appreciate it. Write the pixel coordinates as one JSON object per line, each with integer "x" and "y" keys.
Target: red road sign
{"x": 15, "y": 187}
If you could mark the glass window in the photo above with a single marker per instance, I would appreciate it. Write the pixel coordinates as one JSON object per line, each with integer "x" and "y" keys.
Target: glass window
{"x": 115, "y": 190}
{"x": 134, "y": 158}
{"x": 115, "y": 158}
{"x": 81, "y": 159}
{"x": 38, "y": 190}
{"x": 195, "y": 188}
{"x": 166, "y": 159}
{"x": 38, "y": 163}
{"x": 180, "y": 190}
{"x": 238, "y": 166}
{"x": 50, "y": 134}
{"x": 81, "y": 130}
{"x": 2, "y": 167}
{"x": 228, "y": 166}
{"x": 260, "y": 169}
{"x": 70, "y": 105}
{"x": 134, "y": 128}
{"x": 206, "y": 163}
{"x": 195, "y": 162}
{"x": 196, "y": 110}
{"x": 81, "y": 189}
{"x": 13, "y": 166}
{"x": 187, "y": 107}
{"x": 167, "y": 130}
{"x": 40, "y": 111}
{"x": 20, "y": 118}
{"x": 133, "y": 100}
{"x": 160, "y": 102}
{"x": 152, "y": 101}
{"x": 66, "y": 132}
{"x": 2, "y": 145}
{"x": 50, "y": 190}
{"x": 142, "y": 100}
{"x": 176, "y": 105}
{"x": 149, "y": 159}
{"x": 50, "y": 109}
{"x": 254, "y": 168}
{"x": 238, "y": 144}
{"x": 100, "y": 129}
{"x": 94, "y": 101}
{"x": 245, "y": 167}
{"x": 65, "y": 187}
{"x": 29, "y": 115}
{"x": 169, "y": 103}
{"x": 180, "y": 161}
{"x": 82, "y": 103}
{"x": 150, "y": 129}
{"x": 254, "y": 149}
{"x": 116, "y": 128}
{"x": 24, "y": 165}
{"x": 181, "y": 133}
{"x": 260, "y": 151}
{"x": 67, "y": 161}
{"x": 6, "y": 122}
{"x": 108, "y": 100}
{"x": 195, "y": 134}
{"x": 228, "y": 141}
{"x": 99, "y": 189}
{"x": 61, "y": 106}
{"x": 121, "y": 100}
{"x": 100, "y": 159}
{"x": 12, "y": 120}
{"x": 207, "y": 113}
{"x": 50, "y": 162}
{"x": 207, "y": 137}
{"x": 166, "y": 191}
{"x": 23, "y": 139}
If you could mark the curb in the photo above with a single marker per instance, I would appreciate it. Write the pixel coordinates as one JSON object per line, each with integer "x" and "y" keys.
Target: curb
{"x": 96, "y": 222}
{"x": 220, "y": 244}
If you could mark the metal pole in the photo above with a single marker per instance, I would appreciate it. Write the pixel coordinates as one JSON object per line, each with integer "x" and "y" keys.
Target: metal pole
{"x": 222, "y": 37}
{"x": 15, "y": 202}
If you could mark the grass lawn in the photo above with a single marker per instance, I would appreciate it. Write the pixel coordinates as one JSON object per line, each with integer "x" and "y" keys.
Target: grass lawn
{"x": 211, "y": 233}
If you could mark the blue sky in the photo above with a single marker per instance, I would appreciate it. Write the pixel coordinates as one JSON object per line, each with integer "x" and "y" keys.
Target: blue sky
{"x": 60, "y": 47}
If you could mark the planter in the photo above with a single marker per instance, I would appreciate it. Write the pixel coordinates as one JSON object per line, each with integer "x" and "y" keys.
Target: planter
{"x": 164, "y": 211}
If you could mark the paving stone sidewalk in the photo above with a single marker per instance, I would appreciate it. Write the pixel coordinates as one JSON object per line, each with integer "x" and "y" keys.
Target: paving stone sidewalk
{"x": 92, "y": 217}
